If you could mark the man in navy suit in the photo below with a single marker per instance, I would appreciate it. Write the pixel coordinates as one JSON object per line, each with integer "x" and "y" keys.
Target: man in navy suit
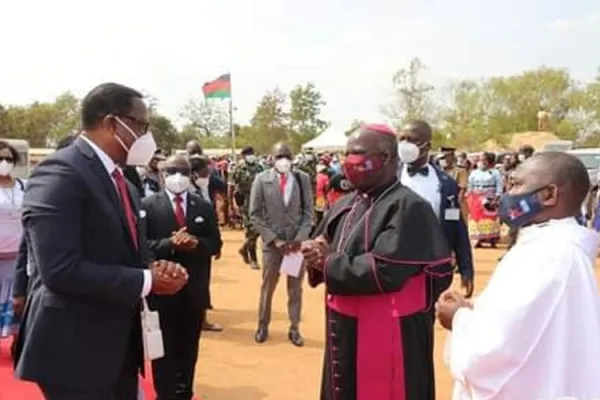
{"x": 89, "y": 261}
{"x": 441, "y": 191}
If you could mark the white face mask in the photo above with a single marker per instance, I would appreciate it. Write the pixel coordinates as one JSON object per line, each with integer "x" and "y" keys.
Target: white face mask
{"x": 202, "y": 183}
{"x": 5, "y": 168}
{"x": 250, "y": 158}
{"x": 283, "y": 165}
{"x": 443, "y": 163}
{"x": 408, "y": 152}
{"x": 142, "y": 150}
{"x": 177, "y": 183}
{"x": 521, "y": 157}
{"x": 480, "y": 165}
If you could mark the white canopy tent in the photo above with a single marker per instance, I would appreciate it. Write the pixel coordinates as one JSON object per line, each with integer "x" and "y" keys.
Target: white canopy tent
{"x": 330, "y": 140}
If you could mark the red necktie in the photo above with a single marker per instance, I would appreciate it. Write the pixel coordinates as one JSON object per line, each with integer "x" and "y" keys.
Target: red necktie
{"x": 282, "y": 182}
{"x": 126, "y": 203}
{"x": 179, "y": 213}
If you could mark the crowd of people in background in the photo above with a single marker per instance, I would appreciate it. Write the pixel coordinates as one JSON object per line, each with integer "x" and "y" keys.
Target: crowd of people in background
{"x": 281, "y": 198}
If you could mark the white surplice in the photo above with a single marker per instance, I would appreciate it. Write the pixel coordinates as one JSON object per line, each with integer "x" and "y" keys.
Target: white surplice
{"x": 534, "y": 332}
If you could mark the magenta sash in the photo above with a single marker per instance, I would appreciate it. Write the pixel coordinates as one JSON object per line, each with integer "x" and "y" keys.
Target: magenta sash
{"x": 380, "y": 359}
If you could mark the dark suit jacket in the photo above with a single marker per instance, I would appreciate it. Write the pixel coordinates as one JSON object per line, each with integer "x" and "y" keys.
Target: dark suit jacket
{"x": 201, "y": 222}
{"x": 21, "y": 281}
{"x": 216, "y": 185}
{"x": 457, "y": 233}
{"x": 82, "y": 312}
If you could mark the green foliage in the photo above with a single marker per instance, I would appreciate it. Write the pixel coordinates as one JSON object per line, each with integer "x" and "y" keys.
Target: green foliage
{"x": 466, "y": 113}
{"x": 40, "y": 123}
{"x": 211, "y": 117}
{"x": 165, "y": 134}
{"x": 413, "y": 95}
{"x": 493, "y": 109}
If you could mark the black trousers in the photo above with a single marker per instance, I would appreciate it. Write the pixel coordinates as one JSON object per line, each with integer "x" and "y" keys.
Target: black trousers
{"x": 125, "y": 389}
{"x": 181, "y": 325}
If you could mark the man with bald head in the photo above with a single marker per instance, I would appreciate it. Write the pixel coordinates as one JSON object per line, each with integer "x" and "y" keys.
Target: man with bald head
{"x": 193, "y": 147}
{"x": 533, "y": 332}
{"x": 374, "y": 253}
{"x": 441, "y": 191}
{"x": 281, "y": 211}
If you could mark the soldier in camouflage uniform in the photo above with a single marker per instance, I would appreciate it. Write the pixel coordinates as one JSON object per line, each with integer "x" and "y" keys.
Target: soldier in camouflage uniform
{"x": 242, "y": 177}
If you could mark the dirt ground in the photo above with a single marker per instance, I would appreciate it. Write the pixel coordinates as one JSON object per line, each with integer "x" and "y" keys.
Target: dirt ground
{"x": 232, "y": 367}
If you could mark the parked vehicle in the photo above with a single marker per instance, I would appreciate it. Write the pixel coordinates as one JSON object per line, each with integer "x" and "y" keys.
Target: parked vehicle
{"x": 591, "y": 159}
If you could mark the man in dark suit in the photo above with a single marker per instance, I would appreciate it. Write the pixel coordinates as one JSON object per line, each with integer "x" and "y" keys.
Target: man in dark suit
{"x": 442, "y": 193}
{"x": 206, "y": 185}
{"x": 182, "y": 228}
{"x": 206, "y": 181}
{"x": 81, "y": 333}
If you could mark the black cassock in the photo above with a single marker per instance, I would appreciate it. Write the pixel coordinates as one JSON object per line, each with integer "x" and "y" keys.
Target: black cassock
{"x": 387, "y": 248}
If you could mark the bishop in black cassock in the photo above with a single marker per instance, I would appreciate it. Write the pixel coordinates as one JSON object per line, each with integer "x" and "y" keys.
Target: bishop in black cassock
{"x": 377, "y": 252}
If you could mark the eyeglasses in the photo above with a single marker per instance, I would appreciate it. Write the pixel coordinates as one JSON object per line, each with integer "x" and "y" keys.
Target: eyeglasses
{"x": 144, "y": 126}
{"x": 7, "y": 159}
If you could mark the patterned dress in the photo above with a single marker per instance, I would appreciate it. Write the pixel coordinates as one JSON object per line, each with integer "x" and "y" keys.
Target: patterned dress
{"x": 485, "y": 185}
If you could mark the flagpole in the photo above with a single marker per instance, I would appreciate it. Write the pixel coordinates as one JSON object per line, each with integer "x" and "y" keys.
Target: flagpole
{"x": 231, "y": 118}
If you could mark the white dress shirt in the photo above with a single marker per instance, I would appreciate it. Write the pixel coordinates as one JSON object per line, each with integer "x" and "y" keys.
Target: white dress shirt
{"x": 110, "y": 167}
{"x": 428, "y": 187}
{"x": 174, "y": 203}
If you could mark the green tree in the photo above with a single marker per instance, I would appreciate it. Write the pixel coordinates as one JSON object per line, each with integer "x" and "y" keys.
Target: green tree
{"x": 306, "y": 103}
{"x": 269, "y": 123}
{"x": 66, "y": 116}
{"x": 465, "y": 123}
{"x": 211, "y": 118}
{"x": 164, "y": 132}
{"x": 413, "y": 97}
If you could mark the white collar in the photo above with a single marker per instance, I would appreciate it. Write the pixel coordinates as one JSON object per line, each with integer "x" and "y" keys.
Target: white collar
{"x": 173, "y": 195}
{"x": 108, "y": 162}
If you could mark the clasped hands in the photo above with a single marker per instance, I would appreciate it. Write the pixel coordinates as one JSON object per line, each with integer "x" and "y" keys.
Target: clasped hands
{"x": 183, "y": 241}
{"x": 167, "y": 277}
{"x": 314, "y": 252}
{"x": 447, "y": 305}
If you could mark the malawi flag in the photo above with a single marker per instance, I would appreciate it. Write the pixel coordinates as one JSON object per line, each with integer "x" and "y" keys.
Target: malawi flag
{"x": 220, "y": 88}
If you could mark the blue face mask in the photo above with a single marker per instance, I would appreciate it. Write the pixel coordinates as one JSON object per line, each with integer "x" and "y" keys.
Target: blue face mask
{"x": 518, "y": 210}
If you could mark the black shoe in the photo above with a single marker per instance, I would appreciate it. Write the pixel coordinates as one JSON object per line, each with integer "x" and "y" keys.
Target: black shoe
{"x": 243, "y": 251}
{"x": 296, "y": 338}
{"x": 207, "y": 326}
{"x": 261, "y": 335}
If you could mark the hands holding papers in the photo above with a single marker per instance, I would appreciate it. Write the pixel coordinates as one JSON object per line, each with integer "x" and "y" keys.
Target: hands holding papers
{"x": 447, "y": 305}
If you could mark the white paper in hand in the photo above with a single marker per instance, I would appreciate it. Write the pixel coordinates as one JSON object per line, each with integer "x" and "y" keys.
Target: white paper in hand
{"x": 291, "y": 264}
{"x": 151, "y": 334}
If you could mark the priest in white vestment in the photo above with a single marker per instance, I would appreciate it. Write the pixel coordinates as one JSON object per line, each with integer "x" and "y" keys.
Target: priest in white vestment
{"x": 534, "y": 332}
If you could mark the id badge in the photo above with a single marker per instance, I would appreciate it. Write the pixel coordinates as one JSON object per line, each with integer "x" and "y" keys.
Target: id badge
{"x": 151, "y": 334}
{"x": 452, "y": 214}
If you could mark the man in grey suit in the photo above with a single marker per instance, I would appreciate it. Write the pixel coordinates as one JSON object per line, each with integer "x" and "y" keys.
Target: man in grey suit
{"x": 281, "y": 210}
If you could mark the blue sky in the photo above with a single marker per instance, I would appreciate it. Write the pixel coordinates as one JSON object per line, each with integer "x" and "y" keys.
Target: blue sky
{"x": 349, "y": 49}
